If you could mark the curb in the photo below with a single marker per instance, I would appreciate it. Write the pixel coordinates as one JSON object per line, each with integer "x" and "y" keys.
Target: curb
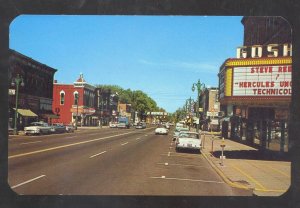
{"x": 236, "y": 184}
{"x": 224, "y": 177}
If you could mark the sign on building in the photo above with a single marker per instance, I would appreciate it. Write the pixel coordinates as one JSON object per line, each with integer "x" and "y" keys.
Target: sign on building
{"x": 212, "y": 113}
{"x": 262, "y": 81}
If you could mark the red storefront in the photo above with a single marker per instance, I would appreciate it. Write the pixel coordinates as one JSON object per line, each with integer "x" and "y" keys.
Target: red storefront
{"x": 68, "y": 107}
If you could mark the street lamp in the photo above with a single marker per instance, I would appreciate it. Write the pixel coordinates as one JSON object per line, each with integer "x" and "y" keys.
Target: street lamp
{"x": 101, "y": 112}
{"x": 200, "y": 87}
{"x": 77, "y": 100}
{"x": 189, "y": 111}
{"x": 16, "y": 82}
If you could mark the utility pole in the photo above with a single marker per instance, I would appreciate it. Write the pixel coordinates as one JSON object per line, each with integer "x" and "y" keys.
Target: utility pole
{"x": 200, "y": 88}
{"x": 77, "y": 100}
{"x": 16, "y": 82}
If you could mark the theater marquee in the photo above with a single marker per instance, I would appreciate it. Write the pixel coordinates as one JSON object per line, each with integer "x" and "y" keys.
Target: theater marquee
{"x": 256, "y": 79}
{"x": 262, "y": 81}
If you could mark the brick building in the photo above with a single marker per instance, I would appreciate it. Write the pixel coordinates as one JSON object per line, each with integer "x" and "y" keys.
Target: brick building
{"x": 35, "y": 97}
{"x": 106, "y": 105}
{"x": 77, "y": 99}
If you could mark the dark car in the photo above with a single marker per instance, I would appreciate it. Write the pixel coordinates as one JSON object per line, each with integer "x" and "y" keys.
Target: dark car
{"x": 58, "y": 128}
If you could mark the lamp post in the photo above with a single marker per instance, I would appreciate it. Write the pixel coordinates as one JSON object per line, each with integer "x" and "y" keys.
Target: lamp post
{"x": 77, "y": 100}
{"x": 101, "y": 112}
{"x": 16, "y": 82}
{"x": 200, "y": 87}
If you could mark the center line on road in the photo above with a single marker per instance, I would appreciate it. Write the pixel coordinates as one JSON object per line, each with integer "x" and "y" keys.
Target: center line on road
{"x": 97, "y": 154}
{"x": 28, "y": 181}
{"x": 31, "y": 142}
{"x": 124, "y": 143}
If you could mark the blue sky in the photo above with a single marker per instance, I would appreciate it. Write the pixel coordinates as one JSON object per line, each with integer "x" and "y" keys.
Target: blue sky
{"x": 160, "y": 55}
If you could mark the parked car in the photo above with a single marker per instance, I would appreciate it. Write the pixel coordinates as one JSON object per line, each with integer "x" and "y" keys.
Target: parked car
{"x": 177, "y": 131}
{"x": 188, "y": 140}
{"x": 161, "y": 130}
{"x": 58, "y": 128}
{"x": 70, "y": 128}
{"x": 141, "y": 125}
{"x": 113, "y": 125}
{"x": 37, "y": 128}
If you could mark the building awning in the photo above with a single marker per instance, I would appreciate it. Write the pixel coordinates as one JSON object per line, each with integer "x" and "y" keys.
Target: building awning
{"x": 26, "y": 112}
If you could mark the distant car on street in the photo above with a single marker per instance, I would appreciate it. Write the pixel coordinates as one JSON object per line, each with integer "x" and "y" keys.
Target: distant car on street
{"x": 70, "y": 128}
{"x": 141, "y": 125}
{"x": 177, "y": 131}
{"x": 113, "y": 125}
{"x": 161, "y": 130}
{"x": 188, "y": 140}
{"x": 123, "y": 122}
{"x": 58, "y": 128}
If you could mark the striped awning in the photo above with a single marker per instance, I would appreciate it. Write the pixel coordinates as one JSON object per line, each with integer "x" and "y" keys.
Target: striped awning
{"x": 26, "y": 112}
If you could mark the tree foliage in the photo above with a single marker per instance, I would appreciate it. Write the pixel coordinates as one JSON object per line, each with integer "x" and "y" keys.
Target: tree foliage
{"x": 139, "y": 100}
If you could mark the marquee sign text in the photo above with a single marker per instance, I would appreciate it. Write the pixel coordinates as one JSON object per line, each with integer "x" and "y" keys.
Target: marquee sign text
{"x": 258, "y": 51}
{"x": 262, "y": 81}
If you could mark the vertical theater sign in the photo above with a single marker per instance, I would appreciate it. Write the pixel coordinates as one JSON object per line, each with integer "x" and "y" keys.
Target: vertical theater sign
{"x": 255, "y": 87}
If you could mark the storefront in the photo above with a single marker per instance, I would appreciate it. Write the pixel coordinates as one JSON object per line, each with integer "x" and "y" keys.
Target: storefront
{"x": 255, "y": 94}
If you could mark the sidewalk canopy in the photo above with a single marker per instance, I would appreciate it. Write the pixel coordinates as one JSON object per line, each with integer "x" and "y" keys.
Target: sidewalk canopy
{"x": 26, "y": 112}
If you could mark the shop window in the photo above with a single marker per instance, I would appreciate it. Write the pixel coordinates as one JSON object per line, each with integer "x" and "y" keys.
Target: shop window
{"x": 76, "y": 98}
{"x": 62, "y": 98}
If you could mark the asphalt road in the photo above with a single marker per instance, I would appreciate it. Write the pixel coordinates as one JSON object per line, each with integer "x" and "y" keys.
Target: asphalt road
{"x": 110, "y": 162}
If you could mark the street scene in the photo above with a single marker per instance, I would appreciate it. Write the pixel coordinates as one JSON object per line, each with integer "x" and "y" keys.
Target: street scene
{"x": 156, "y": 111}
{"x": 125, "y": 162}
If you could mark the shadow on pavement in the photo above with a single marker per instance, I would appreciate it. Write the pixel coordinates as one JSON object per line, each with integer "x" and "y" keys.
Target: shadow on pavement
{"x": 253, "y": 155}
{"x": 188, "y": 151}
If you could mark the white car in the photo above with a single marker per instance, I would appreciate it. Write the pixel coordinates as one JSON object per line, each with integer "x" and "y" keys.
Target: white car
{"x": 38, "y": 128}
{"x": 161, "y": 130}
{"x": 113, "y": 125}
{"x": 70, "y": 128}
{"x": 177, "y": 131}
{"x": 188, "y": 140}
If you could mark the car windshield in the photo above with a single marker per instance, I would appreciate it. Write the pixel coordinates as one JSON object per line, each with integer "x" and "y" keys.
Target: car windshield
{"x": 189, "y": 135}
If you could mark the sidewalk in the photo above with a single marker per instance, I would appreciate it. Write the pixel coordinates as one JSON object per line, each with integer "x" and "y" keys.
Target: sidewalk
{"x": 246, "y": 167}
